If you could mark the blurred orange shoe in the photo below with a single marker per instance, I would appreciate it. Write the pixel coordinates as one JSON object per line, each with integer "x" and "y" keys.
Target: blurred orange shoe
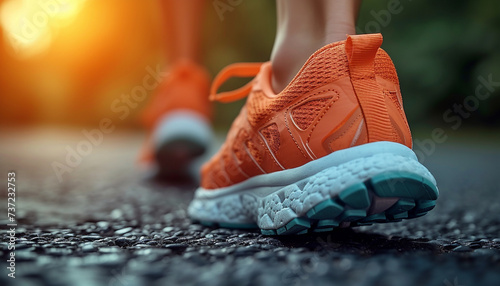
{"x": 178, "y": 122}
{"x": 332, "y": 149}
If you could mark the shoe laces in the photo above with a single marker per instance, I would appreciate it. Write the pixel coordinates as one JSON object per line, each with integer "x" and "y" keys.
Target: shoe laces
{"x": 234, "y": 70}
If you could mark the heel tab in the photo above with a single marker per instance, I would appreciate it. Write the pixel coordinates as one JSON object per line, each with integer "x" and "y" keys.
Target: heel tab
{"x": 361, "y": 51}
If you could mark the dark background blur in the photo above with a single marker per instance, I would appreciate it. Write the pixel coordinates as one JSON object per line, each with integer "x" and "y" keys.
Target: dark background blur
{"x": 70, "y": 65}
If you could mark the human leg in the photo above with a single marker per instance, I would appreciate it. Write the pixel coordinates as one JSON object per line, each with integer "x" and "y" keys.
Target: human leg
{"x": 305, "y": 26}
{"x": 179, "y": 113}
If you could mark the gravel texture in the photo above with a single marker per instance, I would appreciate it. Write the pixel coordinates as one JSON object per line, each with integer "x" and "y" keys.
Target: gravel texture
{"x": 106, "y": 224}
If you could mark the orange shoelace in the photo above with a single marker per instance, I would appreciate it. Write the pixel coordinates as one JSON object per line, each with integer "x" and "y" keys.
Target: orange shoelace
{"x": 234, "y": 70}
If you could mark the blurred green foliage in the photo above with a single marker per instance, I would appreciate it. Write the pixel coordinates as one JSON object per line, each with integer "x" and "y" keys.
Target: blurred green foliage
{"x": 440, "y": 48}
{"x": 245, "y": 34}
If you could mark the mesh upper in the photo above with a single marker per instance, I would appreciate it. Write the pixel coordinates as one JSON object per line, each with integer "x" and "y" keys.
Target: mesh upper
{"x": 312, "y": 76}
{"x": 384, "y": 67}
{"x": 305, "y": 114}
{"x": 254, "y": 152}
{"x": 272, "y": 135}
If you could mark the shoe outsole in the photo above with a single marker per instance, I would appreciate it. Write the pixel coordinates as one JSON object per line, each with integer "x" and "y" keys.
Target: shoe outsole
{"x": 414, "y": 195}
{"x": 175, "y": 157}
{"x": 179, "y": 139}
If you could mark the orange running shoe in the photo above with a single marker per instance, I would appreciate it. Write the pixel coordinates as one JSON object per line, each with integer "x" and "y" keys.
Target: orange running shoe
{"x": 333, "y": 149}
{"x": 178, "y": 120}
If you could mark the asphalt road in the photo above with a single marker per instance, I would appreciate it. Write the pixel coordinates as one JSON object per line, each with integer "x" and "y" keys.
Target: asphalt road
{"x": 103, "y": 223}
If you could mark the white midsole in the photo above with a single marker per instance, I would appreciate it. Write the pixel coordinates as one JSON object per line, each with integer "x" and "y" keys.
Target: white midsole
{"x": 271, "y": 200}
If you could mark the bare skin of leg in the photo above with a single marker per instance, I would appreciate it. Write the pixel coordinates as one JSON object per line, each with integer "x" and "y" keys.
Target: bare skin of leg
{"x": 303, "y": 28}
{"x": 183, "y": 20}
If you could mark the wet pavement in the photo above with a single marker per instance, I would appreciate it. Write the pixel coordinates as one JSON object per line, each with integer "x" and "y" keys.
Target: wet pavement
{"x": 103, "y": 223}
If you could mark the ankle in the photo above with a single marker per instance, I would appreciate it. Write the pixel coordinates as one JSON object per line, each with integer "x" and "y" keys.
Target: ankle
{"x": 290, "y": 55}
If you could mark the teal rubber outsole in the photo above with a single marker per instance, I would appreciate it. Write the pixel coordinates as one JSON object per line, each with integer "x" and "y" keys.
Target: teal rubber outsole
{"x": 415, "y": 196}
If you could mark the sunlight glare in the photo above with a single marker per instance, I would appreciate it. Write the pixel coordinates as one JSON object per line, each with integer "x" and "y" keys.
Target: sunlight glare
{"x": 31, "y": 25}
